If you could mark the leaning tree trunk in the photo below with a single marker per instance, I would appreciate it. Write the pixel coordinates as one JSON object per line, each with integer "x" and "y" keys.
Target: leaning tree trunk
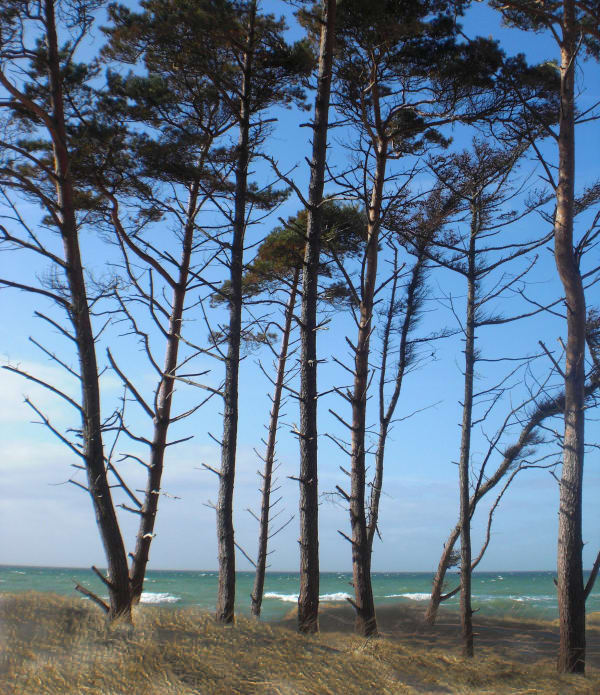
{"x": 547, "y": 409}
{"x": 438, "y": 581}
{"x": 466, "y": 611}
{"x": 225, "y": 535}
{"x": 365, "y": 622}
{"x": 571, "y": 596}
{"x": 117, "y": 582}
{"x": 263, "y": 539}
{"x": 308, "y": 599}
{"x": 162, "y": 419}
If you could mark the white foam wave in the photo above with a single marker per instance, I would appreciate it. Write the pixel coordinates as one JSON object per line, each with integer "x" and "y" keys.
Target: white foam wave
{"x": 286, "y": 598}
{"x": 293, "y": 598}
{"x": 339, "y": 596}
{"x": 151, "y": 597}
{"x": 513, "y": 597}
{"x": 411, "y": 596}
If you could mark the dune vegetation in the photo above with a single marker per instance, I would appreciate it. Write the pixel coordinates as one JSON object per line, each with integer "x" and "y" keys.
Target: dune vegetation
{"x": 372, "y": 185}
{"x": 51, "y": 644}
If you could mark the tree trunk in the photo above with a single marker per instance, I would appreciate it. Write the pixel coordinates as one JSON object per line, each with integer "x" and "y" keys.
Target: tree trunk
{"x": 162, "y": 420}
{"x": 93, "y": 449}
{"x": 440, "y": 575}
{"x": 308, "y": 599}
{"x": 365, "y": 621}
{"x": 466, "y": 611}
{"x": 386, "y": 413}
{"x": 225, "y": 535}
{"x": 571, "y": 598}
{"x": 263, "y": 539}
{"x": 546, "y": 410}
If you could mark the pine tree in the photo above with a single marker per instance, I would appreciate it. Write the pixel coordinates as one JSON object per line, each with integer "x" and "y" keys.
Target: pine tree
{"x": 242, "y": 54}
{"x": 153, "y": 156}
{"x": 277, "y": 268}
{"x": 46, "y": 105}
{"x": 308, "y": 598}
{"x": 575, "y": 27}
{"x": 401, "y": 73}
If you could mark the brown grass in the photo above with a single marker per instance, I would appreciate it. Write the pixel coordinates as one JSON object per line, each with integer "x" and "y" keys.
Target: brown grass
{"x": 51, "y": 645}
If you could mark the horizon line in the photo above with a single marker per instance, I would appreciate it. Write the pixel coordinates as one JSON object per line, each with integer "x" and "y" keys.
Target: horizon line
{"x": 283, "y": 571}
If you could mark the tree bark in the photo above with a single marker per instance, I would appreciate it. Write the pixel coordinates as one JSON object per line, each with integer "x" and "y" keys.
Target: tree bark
{"x": 263, "y": 539}
{"x": 466, "y": 611}
{"x": 308, "y": 599}
{"x": 162, "y": 419}
{"x": 571, "y": 596}
{"x": 225, "y": 533}
{"x": 365, "y": 622}
{"x": 93, "y": 449}
{"x": 438, "y": 580}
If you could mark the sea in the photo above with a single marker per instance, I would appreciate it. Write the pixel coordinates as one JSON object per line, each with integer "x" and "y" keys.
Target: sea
{"x": 501, "y": 594}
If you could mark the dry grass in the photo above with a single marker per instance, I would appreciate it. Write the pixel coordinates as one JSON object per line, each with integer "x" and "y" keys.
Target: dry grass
{"x": 56, "y": 646}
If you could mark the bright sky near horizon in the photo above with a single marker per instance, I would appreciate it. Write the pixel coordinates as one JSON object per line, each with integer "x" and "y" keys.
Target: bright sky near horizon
{"x": 47, "y": 522}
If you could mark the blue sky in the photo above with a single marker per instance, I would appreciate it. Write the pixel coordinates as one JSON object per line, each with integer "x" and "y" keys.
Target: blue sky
{"x": 46, "y": 522}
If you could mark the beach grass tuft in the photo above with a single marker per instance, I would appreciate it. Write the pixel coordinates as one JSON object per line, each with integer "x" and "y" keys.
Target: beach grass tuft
{"x": 51, "y": 645}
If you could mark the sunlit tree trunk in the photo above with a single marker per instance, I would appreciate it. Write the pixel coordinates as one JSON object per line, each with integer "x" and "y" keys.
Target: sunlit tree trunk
{"x": 571, "y": 598}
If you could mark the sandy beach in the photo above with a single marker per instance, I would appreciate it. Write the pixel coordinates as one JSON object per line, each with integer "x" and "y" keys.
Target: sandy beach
{"x": 516, "y": 639}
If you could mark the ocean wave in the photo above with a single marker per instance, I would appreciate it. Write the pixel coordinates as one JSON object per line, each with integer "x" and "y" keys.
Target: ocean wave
{"x": 513, "y": 597}
{"x": 339, "y": 596}
{"x": 293, "y": 598}
{"x": 150, "y": 597}
{"x": 286, "y": 598}
{"x": 411, "y": 596}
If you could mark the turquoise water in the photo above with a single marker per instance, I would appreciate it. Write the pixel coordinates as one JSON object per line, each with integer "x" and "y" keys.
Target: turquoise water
{"x": 518, "y": 594}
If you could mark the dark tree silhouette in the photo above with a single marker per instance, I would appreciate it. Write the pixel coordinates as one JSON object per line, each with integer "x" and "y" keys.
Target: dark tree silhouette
{"x": 277, "y": 269}
{"x": 308, "y": 599}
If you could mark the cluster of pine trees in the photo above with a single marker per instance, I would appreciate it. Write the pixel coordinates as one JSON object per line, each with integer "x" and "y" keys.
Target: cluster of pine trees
{"x": 160, "y": 141}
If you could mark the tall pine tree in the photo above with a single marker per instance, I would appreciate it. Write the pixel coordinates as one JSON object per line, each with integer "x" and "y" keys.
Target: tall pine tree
{"x": 575, "y": 28}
